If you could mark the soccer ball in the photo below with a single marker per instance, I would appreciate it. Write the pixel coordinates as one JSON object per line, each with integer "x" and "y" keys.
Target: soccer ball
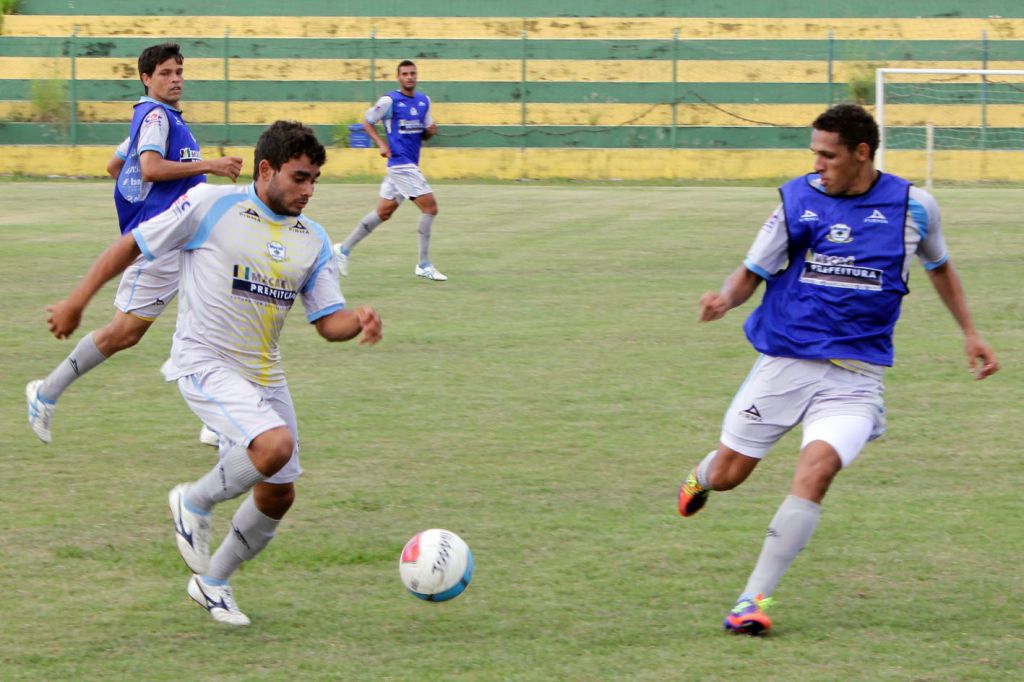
{"x": 436, "y": 565}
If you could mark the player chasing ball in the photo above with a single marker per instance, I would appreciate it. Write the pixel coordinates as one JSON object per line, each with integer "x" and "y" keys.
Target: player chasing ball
{"x": 246, "y": 255}
{"x": 835, "y": 256}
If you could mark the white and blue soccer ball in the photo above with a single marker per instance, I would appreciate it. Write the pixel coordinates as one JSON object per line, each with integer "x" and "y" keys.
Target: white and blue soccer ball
{"x": 436, "y": 565}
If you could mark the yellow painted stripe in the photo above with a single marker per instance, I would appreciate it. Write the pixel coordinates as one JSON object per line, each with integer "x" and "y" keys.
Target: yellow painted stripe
{"x": 583, "y": 164}
{"x": 548, "y": 28}
{"x": 344, "y": 113}
{"x": 483, "y": 70}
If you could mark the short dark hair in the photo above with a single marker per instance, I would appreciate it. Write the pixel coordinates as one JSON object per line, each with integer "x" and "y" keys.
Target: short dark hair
{"x": 286, "y": 140}
{"x": 405, "y": 62}
{"x": 155, "y": 55}
{"x": 853, "y": 123}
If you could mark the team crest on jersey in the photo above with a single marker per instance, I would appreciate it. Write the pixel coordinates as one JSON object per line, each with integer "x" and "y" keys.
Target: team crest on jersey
{"x": 876, "y": 217}
{"x": 413, "y": 112}
{"x": 277, "y": 251}
{"x": 839, "y": 234}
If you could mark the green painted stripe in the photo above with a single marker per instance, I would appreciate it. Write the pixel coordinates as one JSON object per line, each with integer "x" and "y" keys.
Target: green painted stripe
{"x": 395, "y": 50}
{"x": 534, "y": 8}
{"x": 695, "y": 137}
{"x": 347, "y": 91}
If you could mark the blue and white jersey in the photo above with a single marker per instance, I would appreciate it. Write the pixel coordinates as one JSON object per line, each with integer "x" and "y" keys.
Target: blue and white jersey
{"x": 159, "y": 128}
{"x": 242, "y": 267}
{"x": 405, "y": 118}
{"x": 837, "y": 268}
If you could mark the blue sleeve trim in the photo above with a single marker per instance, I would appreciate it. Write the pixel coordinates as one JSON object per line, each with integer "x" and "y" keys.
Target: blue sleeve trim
{"x": 920, "y": 216}
{"x": 216, "y": 212}
{"x": 756, "y": 269}
{"x": 118, "y": 154}
{"x": 152, "y": 148}
{"x": 326, "y": 254}
{"x": 936, "y": 264}
{"x": 146, "y": 253}
{"x": 313, "y": 317}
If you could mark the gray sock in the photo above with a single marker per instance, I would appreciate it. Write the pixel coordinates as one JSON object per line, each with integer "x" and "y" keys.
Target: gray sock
{"x": 84, "y": 357}
{"x": 790, "y": 531}
{"x": 251, "y": 531}
{"x": 233, "y": 475}
{"x": 704, "y": 469}
{"x": 362, "y": 231}
{"x": 426, "y": 221}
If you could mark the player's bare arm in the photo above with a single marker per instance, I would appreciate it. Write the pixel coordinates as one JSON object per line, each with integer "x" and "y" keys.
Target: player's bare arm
{"x": 430, "y": 131}
{"x": 738, "y": 287}
{"x": 343, "y": 325}
{"x": 382, "y": 145}
{"x": 66, "y": 315}
{"x": 156, "y": 168}
{"x": 981, "y": 359}
{"x": 114, "y": 166}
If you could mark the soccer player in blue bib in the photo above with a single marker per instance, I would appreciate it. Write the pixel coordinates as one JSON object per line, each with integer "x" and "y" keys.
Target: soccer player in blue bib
{"x": 407, "y": 123}
{"x": 247, "y": 255}
{"x": 835, "y": 256}
{"x": 158, "y": 162}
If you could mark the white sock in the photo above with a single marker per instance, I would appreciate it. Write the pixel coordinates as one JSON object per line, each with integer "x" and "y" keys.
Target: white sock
{"x": 789, "y": 532}
{"x": 84, "y": 357}
{"x": 426, "y": 221}
{"x": 251, "y": 531}
{"x": 233, "y": 475}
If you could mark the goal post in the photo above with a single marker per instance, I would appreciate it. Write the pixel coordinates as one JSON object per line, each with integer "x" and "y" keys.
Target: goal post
{"x": 960, "y": 124}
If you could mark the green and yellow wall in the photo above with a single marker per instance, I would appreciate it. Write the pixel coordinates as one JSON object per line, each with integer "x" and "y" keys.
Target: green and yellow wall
{"x": 703, "y": 89}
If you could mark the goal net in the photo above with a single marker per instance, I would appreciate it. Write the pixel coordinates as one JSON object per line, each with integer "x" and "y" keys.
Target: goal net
{"x": 951, "y": 125}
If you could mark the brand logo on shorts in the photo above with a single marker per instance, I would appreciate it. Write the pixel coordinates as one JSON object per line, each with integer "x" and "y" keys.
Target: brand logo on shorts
{"x": 277, "y": 251}
{"x": 752, "y": 413}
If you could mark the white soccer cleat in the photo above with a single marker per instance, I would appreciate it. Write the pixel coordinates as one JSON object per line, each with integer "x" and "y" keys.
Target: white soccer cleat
{"x": 218, "y": 600}
{"x": 342, "y": 259}
{"x": 208, "y": 436}
{"x": 191, "y": 531}
{"x": 40, "y": 412}
{"x": 430, "y": 272}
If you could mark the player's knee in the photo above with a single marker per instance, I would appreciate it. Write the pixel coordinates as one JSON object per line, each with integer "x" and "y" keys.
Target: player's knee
{"x": 271, "y": 450}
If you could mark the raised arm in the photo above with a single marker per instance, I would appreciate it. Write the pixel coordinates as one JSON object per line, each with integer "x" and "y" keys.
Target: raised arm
{"x": 738, "y": 287}
{"x": 951, "y": 290}
{"x": 66, "y": 315}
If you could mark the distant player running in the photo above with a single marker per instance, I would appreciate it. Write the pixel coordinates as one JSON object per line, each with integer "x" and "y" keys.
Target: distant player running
{"x": 246, "y": 255}
{"x": 836, "y": 258}
{"x": 158, "y": 162}
{"x": 408, "y": 123}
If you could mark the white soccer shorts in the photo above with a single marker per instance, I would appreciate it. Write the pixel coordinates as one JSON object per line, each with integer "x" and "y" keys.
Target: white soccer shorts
{"x": 404, "y": 182}
{"x": 780, "y": 393}
{"x": 148, "y": 287}
{"x": 239, "y": 410}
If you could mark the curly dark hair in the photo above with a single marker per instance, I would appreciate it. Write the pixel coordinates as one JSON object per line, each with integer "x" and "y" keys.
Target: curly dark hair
{"x": 155, "y": 55}
{"x": 286, "y": 140}
{"x": 853, "y": 123}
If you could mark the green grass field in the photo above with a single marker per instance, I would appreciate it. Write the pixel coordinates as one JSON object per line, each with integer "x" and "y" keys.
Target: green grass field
{"x": 544, "y": 404}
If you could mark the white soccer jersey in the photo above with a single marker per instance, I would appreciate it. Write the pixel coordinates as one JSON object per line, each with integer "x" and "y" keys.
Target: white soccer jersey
{"x": 242, "y": 266}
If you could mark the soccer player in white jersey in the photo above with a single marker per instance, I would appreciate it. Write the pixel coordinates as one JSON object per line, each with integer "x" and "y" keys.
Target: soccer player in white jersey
{"x": 407, "y": 124}
{"x": 246, "y": 255}
{"x": 835, "y": 256}
{"x": 158, "y": 162}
